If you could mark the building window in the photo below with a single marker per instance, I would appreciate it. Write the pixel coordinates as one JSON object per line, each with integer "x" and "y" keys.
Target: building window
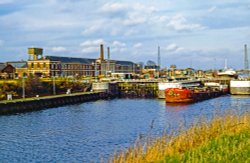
{"x": 32, "y": 65}
{"x": 44, "y": 65}
{"x": 38, "y": 65}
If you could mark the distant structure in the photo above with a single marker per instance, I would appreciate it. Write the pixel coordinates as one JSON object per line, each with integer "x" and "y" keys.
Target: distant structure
{"x": 159, "y": 57}
{"x": 246, "y": 64}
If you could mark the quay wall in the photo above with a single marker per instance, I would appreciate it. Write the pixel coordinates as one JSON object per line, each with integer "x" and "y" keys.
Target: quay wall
{"x": 138, "y": 89}
{"x": 12, "y": 107}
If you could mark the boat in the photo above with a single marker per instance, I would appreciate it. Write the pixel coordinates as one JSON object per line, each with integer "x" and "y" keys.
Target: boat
{"x": 228, "y": 73}
{"x": 162, "y": 86}
{"x": 190, "y": 95}
{"x": 213, "y": 85}
{"x": 240, "y": 87}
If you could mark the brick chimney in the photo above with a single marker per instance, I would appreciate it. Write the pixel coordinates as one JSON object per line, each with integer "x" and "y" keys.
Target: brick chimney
{"x": 101, "y": 53}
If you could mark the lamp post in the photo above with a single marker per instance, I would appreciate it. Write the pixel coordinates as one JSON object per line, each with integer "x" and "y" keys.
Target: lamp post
{"x": 54, "y": 85}
{"x": 23, "y": 87}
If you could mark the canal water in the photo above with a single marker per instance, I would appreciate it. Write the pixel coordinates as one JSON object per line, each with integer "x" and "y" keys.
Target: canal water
{"x": 89, "y": 131}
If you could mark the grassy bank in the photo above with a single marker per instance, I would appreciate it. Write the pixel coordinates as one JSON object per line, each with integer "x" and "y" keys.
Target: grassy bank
{"x": 224, "y": 138}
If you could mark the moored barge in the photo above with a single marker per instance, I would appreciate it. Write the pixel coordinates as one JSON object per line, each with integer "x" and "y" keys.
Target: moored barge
{"x": 187, "y": 95}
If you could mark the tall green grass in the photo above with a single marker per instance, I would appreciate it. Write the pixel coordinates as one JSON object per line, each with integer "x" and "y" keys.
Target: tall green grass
{"x": 224, "y": 139}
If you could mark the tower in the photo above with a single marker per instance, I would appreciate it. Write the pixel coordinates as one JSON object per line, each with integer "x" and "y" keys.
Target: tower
{"x": 35, "y": 53}
{"x": 246, "y": 66}
{"x": 159, "y": 58}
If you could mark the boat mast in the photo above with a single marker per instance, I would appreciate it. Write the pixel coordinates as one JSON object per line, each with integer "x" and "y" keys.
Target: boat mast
{"x": 225, "y": 64}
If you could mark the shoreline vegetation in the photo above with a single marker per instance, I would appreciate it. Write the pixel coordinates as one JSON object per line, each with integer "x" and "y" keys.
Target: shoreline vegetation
{"x": 34, "y": 86}
{"x": 224, "y": 138}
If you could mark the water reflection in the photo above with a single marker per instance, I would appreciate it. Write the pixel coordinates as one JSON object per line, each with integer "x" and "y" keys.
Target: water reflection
{"x": 176, "y": 107}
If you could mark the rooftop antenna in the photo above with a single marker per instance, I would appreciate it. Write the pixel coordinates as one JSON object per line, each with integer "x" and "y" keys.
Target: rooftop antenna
{"x": 246, "y": 67}
{"x": 215, "y": 64}
{"x": 191, "y": 63}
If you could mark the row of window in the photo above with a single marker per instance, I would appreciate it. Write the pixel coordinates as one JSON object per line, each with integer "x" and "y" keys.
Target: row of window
{"x": 81, "y": 67}
{"x": 64, "y": 66}
{"x": 38, "y": 65}
{"x": 75, "y": 67}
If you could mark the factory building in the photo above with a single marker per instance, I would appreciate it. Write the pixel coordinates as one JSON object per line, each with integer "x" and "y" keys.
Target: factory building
{"x": 47, "y": 66}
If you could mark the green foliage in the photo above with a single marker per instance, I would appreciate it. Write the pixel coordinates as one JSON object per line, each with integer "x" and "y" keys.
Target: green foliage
{"x": 8, "y": 88}
{"x": 226, "y": 148}
{"x": 34, "y": 85}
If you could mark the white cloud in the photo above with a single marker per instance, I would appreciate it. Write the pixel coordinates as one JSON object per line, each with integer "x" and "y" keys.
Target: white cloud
{"x": 118, "y": 44}
{"x": 172, "y": 48}
{"x": 89, "y": 43}
{"x": 125, "y": 7}
{"x": 135, "y": 19}
{"x": 91, "y": 46}
{"x": 212, "y": 9}
{"x": 59, "y": 49}
{"x": 137, "y": 45}
{"x": 114, "y": 7}
{"x": 141, "y": 22}
{"x": 180, "y": 23}
{"x": 143, "y": 8}
{"x": 130, "y": 32}
{"x": 91, "y": 49}
{"x": 91, "y": 30}
{"x": 6, "y": 2}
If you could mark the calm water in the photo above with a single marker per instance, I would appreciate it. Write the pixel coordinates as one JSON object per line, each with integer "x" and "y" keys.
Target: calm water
{"x": 86, "y": 132}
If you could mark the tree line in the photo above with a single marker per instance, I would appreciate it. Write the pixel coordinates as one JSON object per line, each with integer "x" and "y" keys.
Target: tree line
{"x": 34, "y": 86}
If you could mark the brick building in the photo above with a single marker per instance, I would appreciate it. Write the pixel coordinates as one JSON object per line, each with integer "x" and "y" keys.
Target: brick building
{"x": 47, "y": 66}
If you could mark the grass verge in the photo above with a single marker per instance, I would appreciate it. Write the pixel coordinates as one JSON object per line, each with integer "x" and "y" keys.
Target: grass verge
{"x": 224, "y": 139}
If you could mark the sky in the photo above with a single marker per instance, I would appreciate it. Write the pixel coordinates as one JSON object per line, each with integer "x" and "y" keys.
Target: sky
{"x": 190, "y": 33}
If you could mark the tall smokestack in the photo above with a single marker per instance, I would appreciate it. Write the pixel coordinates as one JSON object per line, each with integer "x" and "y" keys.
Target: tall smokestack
{"x": 108, "y": 50}
{"x": 101, "y": 52}
{"x": 108, "y": 63}
{"x": 246, "y": 59}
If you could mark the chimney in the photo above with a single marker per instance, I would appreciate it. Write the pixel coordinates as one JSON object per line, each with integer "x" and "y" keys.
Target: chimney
{"x": 108, "y": 63}
{"x": 108, "y": 50}
{"x": 101, "y": 52}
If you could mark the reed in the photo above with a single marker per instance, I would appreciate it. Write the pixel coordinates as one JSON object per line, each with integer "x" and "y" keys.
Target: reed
{"x": 223, "y": 138}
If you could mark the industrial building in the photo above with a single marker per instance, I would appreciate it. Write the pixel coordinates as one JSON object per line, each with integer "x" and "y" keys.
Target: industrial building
{"x": 47, "y": 66}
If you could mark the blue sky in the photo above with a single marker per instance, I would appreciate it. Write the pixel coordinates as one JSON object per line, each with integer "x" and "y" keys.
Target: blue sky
{"x": 196, "y": 33}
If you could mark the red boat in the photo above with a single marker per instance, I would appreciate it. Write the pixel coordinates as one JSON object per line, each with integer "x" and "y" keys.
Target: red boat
{"x": 185, "y": 95}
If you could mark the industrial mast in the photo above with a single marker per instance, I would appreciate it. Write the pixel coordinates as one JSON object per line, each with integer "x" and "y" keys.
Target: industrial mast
{"x": 246, "y": 64}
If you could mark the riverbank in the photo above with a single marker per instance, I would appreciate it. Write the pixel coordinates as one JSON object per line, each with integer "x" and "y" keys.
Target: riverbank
{"x": 38, "y": 103}
{"x": 224, "y": 139}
